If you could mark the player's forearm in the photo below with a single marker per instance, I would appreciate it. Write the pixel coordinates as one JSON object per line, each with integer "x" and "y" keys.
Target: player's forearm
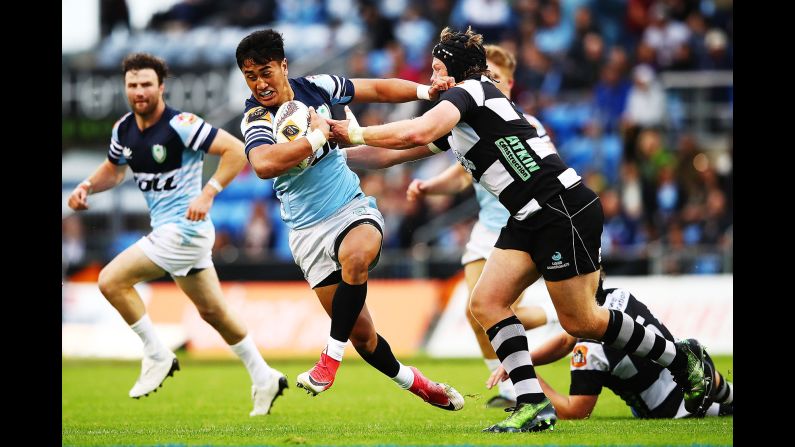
{"x": 403, "y": 134}
{"x": 386, "y": 90}
{"x": 273, "y": 160}
{"x": 450, "y": 181}
{"x": 232, "y": 161}
{"x": 369, "y": 157}
{"x": 553, "y": 349}
{"x": 565, "y": 406}
{"x": 105, "y": 177}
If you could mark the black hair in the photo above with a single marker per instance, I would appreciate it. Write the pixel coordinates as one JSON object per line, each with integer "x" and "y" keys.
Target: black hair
{"x": 261, "y": 47}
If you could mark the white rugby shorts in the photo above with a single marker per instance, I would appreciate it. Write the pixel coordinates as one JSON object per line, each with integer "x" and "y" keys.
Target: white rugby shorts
{"x": 480, "y": 245}
{"x": 313, "y": 247}
{"x": 178, "y": 249}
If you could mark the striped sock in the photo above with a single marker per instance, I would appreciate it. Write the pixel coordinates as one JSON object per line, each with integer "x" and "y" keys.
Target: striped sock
{"x": 725, "y": 394}
{"x": 633, "y": 338}
{"x": 509, "y": 340}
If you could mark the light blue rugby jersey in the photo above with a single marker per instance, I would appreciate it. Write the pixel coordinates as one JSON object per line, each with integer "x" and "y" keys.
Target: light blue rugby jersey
{"x": 310, "y": 195}
{"x": 166, "y": 160}
{"x": 492, "y": 214}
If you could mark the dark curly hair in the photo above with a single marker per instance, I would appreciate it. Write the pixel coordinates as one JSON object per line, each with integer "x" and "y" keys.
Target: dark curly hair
{"x": 139, "y": 61}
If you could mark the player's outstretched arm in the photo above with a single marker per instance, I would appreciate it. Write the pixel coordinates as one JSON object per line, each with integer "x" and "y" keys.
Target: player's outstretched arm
{"x": 569, "y": 407}
{"x": 397, "y": 90}
{"x": 233, "y": 158}
{"x": 105, "y": 177}
{"x": 404, "y": 134}
{"x": 452, "y": 180}
{"x": 371, "y": 157}
{"x": 553, "y": 349}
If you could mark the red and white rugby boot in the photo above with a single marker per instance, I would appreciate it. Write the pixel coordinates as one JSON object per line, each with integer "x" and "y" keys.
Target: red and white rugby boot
{"x": 437, "y": 394}
{"x": 321, "y": 376}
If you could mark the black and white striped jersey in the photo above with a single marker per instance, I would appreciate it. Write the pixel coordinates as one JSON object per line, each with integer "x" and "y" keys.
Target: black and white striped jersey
{"x": 648, "y": 388}
{"x": 502, "y": 151}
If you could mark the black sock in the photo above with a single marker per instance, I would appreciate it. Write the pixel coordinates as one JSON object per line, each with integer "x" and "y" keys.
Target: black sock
{"x": 345, "y": 309}
{"x": 381, "y": 358}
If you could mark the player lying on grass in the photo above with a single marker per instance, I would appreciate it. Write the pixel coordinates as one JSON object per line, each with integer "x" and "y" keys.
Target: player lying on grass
{"x": 646, "y": 387}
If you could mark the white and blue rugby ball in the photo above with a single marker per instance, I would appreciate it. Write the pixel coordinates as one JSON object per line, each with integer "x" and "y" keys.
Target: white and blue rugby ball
{"x": 290, "y": 123}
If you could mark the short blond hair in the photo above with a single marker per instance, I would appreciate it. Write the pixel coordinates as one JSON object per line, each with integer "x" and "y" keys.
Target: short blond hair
{"x": 501, "y": 57}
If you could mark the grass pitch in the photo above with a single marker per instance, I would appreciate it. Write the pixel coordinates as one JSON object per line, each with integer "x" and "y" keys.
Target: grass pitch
{"x": 207, "y": 404}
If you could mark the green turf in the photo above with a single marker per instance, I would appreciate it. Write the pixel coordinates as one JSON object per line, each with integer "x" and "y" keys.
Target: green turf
{"x": 207, "y": 403}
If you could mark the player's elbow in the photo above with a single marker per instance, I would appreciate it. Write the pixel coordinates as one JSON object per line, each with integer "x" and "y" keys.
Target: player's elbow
{"x": 265, "y": 170}
{"x": 574, "y": 412}
{"x": 419, "y": 136}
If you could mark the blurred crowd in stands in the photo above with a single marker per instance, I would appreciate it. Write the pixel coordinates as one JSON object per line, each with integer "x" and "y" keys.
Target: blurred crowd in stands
{"x": 590, "y": 70}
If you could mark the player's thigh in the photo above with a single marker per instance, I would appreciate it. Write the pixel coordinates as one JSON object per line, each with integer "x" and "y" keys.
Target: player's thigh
{"x": 472, "y": 272}
{"x": 130, "y": 267}
{"x": 575, "y": 300}
{"x": 203, "y": 288}
{"x": 505, "y": 276}
{"x": 362, "y": 242}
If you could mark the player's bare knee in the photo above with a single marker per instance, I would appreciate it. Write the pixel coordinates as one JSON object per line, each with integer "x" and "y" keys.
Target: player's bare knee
{"x": 211, "y": 314}
{"x": 471, "y": 318}
{"x": 355, "y": 268}
{"x": 479, "y": 309}
{"x": 108, "y": 285}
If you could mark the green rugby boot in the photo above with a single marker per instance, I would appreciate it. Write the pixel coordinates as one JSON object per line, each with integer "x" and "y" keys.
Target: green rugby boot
{"x": 527, "y": 417}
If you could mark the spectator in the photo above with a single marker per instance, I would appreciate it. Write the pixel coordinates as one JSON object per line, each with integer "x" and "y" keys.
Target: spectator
{"x": 645, "y": 107}
{"x": 73, "y": 244}
{"x": 113, "y": 14}
{"x": 664, "y": 34}
{"x": 258, "y": 233}
{"x": 610, "y": 96}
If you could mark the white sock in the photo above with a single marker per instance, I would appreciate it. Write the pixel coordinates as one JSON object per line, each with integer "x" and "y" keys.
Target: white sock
{"x": 404, "y": 377}
{"x": 152, "y": 346}
{"x": 506, "y": 388}
{"x": 335, "y": 349}
{"x": 257, "y": 368}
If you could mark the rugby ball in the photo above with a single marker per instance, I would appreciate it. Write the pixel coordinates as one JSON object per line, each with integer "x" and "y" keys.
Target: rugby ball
{"x": 290, "y": 123}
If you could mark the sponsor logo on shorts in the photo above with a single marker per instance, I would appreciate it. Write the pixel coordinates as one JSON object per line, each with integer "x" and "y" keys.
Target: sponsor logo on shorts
{"x": 556, "y": 262}
{"x": 359, "y": 211}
